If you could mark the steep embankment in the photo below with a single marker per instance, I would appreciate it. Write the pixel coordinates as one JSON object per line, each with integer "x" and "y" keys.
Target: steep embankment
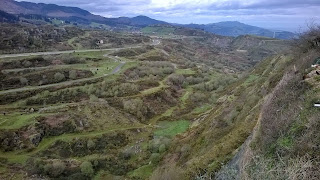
{"x": 285, "y": 142}
{"x": 266, "y": 124}
{"x": 213, "y": 139}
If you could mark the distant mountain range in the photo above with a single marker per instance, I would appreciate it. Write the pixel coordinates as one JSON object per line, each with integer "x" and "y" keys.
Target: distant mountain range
{"x": 235, "y": 28}
{"x": 80, "y": 16}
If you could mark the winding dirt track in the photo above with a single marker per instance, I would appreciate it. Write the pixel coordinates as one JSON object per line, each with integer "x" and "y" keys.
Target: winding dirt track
{"x": 62, "y": 52}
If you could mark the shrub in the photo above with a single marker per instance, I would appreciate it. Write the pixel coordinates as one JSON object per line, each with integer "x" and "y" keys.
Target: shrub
{"x": 155, "y": 158}
{"x": 197, "y": 97}
{"x": 136, "y": 107}
{"x": 55, "y": 169}
{"x": 86, "y": 168}
{"x": 73, "y": 74}
{"x": 309, "y": 39}
{"x": 93, "y": 98}
{"x": 91, "y": 144}
{"x": 162, "y": 148}
{"x": 59, "y": 77}
{"x": 27, "y": 64}
{"x": 24, "y": 81}
{"x": 176, "y": 79}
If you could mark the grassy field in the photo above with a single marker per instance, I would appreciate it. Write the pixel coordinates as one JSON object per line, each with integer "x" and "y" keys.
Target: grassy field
{"x": 143, "y": 172}
{"x": 150, "y": 100}
{"x": 172, "y": 128}
{"x": 21, "y": 156}
{"x": 97, "y": 25}
{"x": 158, "y": 30}
{"x": 185, "y": 71}
{"x": 17, "y": 120}
{"x": 201, "y": 109}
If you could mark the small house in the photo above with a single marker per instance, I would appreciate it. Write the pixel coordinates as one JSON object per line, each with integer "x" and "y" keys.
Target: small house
{"x": 100, "y": 42}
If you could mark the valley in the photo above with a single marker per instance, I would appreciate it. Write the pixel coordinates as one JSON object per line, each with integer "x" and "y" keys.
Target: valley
{"x": 84, "y": 97}
{"x": 58, "y": 106}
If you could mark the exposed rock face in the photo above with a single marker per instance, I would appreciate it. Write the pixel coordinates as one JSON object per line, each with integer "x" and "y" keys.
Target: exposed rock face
{"x": 36, "y": 139}
{"x": 10, "y": 141}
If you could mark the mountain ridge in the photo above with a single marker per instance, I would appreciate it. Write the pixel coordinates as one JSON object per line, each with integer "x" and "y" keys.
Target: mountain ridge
{"x": 236, "y": 28}
{"x": 81, "y": 16}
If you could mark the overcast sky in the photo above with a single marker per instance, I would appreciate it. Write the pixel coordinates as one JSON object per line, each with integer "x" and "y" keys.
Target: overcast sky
{"x": 273, "y": 14}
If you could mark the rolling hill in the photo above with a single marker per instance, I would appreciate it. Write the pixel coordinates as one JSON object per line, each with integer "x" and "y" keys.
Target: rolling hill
{"x": 235, "y": 28}
{"x": 80, "y": 16}
{"x": 72, "y": 14}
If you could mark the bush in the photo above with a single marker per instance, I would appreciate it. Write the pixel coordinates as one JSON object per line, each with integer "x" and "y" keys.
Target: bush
{"x": 86, "y": 168}
{"x": 155, "y": 158}
{"x": 309, "y": 40}
{"x": 197, "y": 97}
{"x": 93, "y": 98}
{"x": 176, "y": 79}
{"x": 24, "y": 81}
{"x": 136, "y": 107}
{"x": 162, "y": 148}
{"x": 27, "y": 64}
{"x": 58, "y": 77}
{"x": 73, "y": 74}
{"x": 91, "y": 144}
{"x": 55, "y": 169}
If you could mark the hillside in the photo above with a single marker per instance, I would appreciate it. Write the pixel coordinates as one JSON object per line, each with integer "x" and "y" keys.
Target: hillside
{"x": 59, "y": 15}
{"x": 6, "y": 17}
{"x": 234, "y": 28}
{"x": 264, "y": 126}
{"x": 72, "y": 14}
{"x": 50, "y": 10}
{"x": 115, "y": 105}
{"x": 86, "y": 97}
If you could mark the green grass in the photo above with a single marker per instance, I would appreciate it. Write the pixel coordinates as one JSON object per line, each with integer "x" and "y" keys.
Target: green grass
{"x": 16, "y": 120}
{"x": 285, "y": 142}
{"x": 158, "y": 30}
{"x": 143, "y": 172}
{"x": 93, "y": 54}
{"x": 185, "y": 71}
{"x": 185, "y": 97}
{"x": 97, "y": 25}
{"x": 57, "y": 22}
{"x": 169, "y": 112}
{"x": 155, "y": 89}
{"x": 3, "y": 169}
{"x": 77, "y": 45}
{"x": 100, "y": 69}
{"x": 127, "y": 66}
{"x": 201, "y": 109}
{"x": 22, "y": 156}
{"x": 250, "y": 80}
{"x": 98, "y": 176}
{"x": 172, "y": 128}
